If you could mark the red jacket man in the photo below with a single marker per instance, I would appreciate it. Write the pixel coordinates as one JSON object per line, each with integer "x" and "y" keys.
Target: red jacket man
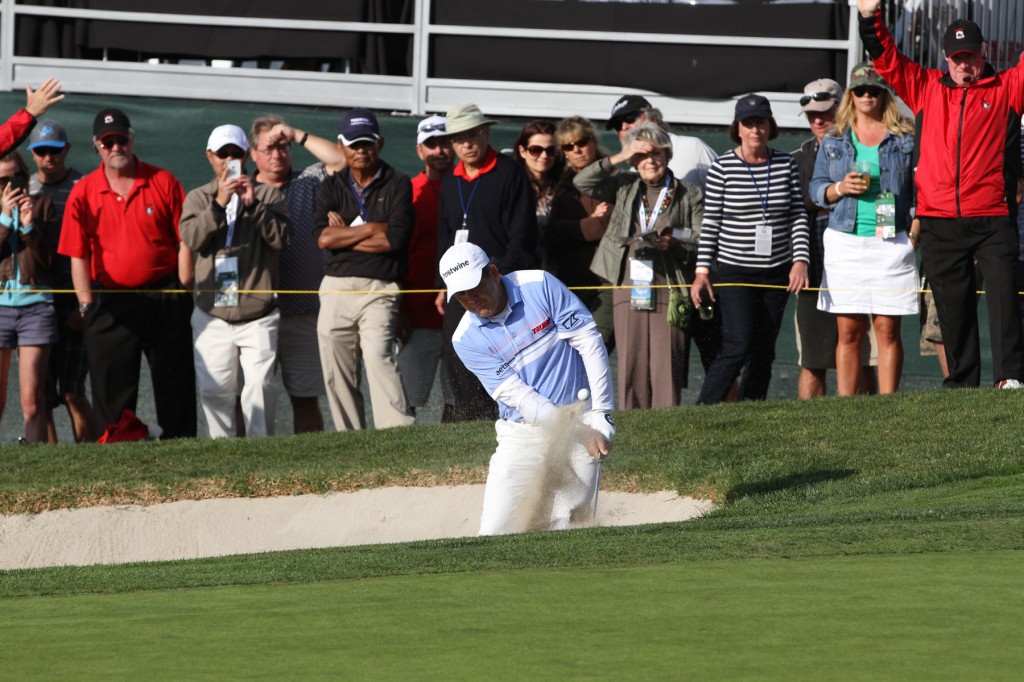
{"x": 968, "y": 124}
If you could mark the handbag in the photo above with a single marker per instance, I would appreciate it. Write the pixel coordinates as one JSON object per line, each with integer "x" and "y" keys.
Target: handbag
{"x": 679, "y": 305}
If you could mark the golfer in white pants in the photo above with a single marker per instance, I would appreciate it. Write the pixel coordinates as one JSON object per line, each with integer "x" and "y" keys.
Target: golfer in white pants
{"x": 533, "y": 345}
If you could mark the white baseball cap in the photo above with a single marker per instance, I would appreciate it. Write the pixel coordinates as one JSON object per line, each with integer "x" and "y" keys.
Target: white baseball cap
{"x": 430, "y": 127}
{"x": 225, "y": 135}
{"x": 462, "y": 267}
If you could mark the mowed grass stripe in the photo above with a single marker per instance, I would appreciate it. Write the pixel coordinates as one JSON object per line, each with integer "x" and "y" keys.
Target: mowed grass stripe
{"x": 926, "y": 616}
{"x": 709, "y": 539}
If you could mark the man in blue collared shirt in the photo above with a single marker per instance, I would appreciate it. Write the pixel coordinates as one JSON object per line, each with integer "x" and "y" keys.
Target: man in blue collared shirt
{"x": 534, "y": 346}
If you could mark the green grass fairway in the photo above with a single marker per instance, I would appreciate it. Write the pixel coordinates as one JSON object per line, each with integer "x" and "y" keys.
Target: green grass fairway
{"x": 948, "y": 616}
{"x": 864, "y": 538}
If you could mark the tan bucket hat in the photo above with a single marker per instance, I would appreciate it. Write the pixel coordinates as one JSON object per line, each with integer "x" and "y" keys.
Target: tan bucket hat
{"x": 465, "y": 117}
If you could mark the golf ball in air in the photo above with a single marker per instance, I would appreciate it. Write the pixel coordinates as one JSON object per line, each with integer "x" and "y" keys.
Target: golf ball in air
{"x": 583, "y": 394}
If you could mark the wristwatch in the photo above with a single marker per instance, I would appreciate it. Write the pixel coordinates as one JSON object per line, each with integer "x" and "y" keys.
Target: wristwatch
{"x": 84, "y": 308}
{"x": 914, "y": 237}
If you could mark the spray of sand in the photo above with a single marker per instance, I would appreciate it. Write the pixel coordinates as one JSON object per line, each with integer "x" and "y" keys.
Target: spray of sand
{"x": 556, "y": 472}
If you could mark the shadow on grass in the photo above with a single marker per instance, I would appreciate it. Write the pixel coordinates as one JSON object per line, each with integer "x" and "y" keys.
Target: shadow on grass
{"x": 773, "y": 485}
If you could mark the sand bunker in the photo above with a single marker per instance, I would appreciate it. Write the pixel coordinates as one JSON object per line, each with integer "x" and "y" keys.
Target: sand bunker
{"x": 191, "y": 530}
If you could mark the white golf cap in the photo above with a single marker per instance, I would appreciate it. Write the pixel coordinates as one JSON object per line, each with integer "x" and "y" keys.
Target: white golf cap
{"x": 462, "y": 267}
{"x": 225, "y": 135}
{"x": 430, "y": 127}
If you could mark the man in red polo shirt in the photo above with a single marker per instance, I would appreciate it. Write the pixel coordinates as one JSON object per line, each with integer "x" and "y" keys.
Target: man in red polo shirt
{"x": 120, "y": 230}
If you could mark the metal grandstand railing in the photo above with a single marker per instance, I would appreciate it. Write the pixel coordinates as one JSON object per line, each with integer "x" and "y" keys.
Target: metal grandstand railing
{"x": 405, "y": 84}
{"x": 918, "y": 25}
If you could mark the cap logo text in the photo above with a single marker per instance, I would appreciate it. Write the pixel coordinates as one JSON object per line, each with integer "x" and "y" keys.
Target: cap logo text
{"x": 455, "y": 268}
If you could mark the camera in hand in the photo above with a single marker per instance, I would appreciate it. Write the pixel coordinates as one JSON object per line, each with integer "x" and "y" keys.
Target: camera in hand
{"x": 705, "y": 310}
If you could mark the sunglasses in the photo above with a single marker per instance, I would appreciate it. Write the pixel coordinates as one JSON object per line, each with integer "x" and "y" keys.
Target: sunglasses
{"x": 629, "y": 118}
{"x": 110, "y": 141}
{"x": 815, "y": 97}
{"x": 866, "y": 91}
{"x": 431, "y": 128}
{"x": 578, "y": 144}
{"x": 47, "y": 151}
{"x": 231, "y": 152}
{"x": 433, "y": 143}
{"x": 535, "y": 150}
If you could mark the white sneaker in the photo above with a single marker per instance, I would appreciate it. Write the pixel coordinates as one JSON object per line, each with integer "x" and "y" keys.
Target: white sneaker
{"x": 1009, "y": 383}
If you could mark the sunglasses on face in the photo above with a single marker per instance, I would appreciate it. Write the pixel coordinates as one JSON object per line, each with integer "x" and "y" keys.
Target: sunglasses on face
{"x": 48, "y": 151}
{"x": 579, "y": 144}
{"x": 432, "y": 143}
{"x": 815, "y": 97}
{"x": 17, "y": 180}
{"x": 535, "y": 150}
{"x": 866, "y": 91}
{"x": 110, "y": 141}
{"x": 631, "y": 118}
{"x": 230, "y": 153}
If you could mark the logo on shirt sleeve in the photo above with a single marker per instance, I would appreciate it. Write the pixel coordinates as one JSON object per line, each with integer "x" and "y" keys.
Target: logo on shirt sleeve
{"x": 572, "y": 321}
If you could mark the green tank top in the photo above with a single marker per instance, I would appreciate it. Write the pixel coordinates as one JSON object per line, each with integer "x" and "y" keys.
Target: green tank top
{"x": 866, "y": 201}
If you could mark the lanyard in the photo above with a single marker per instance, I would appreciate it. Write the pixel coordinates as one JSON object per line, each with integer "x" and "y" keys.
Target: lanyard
{"x": 359, "y": 198}
{"x": 664, "y": 199}
{"x": 467, "y": 204}
{"x": 768, "y": 184}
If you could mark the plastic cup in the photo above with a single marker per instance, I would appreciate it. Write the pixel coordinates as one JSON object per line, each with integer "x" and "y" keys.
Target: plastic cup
{"x": 864, "y": 168}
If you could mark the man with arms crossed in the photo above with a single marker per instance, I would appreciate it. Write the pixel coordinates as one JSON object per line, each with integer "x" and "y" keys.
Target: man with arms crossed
{"x": 533, "y": 345}
{"x": 966, "y": 178}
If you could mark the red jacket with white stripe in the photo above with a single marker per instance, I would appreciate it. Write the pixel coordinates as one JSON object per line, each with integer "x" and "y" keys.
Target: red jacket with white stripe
{"x": 969, "y": 135}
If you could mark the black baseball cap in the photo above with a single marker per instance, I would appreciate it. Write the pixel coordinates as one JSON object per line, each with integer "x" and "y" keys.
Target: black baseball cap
{"x": 111, "y": 122}
{"x": 962, "y": 35}
{"x": 626, "y": 106}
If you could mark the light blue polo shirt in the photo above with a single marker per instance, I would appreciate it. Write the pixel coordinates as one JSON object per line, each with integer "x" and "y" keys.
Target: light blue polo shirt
{"x": 532, "y": 342}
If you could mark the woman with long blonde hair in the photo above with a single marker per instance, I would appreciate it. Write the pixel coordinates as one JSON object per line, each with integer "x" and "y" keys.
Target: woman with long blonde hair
{"x": 863, "y": 175}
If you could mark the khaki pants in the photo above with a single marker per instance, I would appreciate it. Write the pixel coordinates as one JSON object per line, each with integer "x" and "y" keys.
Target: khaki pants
{"x": 354, "y": 326}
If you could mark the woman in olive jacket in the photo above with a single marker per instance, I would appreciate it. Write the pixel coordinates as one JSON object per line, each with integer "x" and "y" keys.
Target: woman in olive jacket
{"x": 651, "y": 241}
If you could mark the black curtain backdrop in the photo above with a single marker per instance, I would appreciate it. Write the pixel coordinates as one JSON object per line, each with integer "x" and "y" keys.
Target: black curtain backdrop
{"x": 676, "y": 70}
{"x": 710, "y": 72}
{"x": 127, "y": 41}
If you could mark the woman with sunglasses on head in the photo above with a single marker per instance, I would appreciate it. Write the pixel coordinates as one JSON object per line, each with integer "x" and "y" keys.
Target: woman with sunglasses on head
{"x": 863, "y": 175}
{"x": 28, "y": 240}
{"x": 535, "y": 149}
{"x": 651, "y": 239}
{"x": 755, "y": 231}
{"x": 578, "y": 222}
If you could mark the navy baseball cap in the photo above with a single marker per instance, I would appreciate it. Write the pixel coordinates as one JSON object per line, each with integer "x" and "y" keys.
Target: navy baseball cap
{"x": 48, "y": 133}
{"x": 358, "y": 125}
{"x": 753, "y": 106}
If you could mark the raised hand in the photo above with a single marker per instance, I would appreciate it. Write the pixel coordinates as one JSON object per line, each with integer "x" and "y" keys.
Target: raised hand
{"x": 38, "y": 101}
{"x": 867, "y": 8}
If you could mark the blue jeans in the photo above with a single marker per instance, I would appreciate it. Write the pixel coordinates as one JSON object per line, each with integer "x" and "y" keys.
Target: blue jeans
{"x": 751, "y": 318}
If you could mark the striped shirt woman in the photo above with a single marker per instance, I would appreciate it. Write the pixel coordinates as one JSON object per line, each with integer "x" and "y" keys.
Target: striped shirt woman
{"x": 755, "y": 230}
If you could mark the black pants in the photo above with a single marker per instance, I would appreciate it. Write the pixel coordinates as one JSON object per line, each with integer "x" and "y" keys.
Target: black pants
{"x": 469, "y": 399}
{"x": 751, "y": 318}
{"x": 949, "y": 248}
{"x": 122, "y": 328}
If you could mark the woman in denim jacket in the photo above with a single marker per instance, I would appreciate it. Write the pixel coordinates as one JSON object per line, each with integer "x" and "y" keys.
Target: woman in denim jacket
{"x": 863, "y": 176}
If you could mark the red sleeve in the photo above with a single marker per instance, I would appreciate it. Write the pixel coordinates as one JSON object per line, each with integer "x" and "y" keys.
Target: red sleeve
{"x": 15, "y": 130}
{"x": 906, "y": 77}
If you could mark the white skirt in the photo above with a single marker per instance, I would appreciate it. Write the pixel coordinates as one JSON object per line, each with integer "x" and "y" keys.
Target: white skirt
{"x": 867, "y": 275}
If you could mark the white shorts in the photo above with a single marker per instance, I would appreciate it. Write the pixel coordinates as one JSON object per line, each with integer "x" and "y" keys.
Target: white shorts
{"x": 536, "y": 479}
{"x": 866, "y": 275}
